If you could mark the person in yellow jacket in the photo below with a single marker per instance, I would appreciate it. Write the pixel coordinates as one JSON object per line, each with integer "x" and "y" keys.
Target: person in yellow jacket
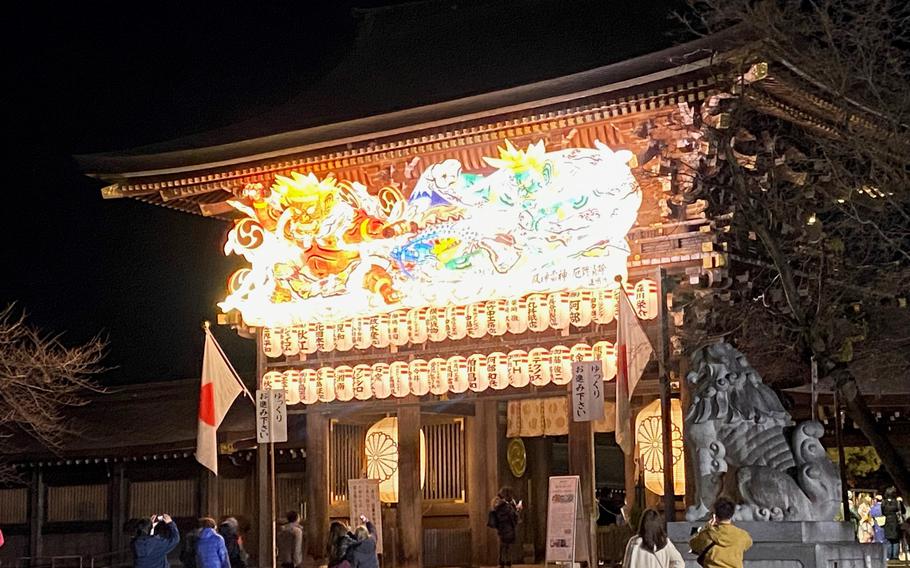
{"x": 720, "y": 544}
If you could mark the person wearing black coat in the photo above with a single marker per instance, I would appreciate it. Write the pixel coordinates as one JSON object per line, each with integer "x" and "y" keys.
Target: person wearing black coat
{"x": 505, "y": 513}
{"x": 893, "y": 511}
{"x": 229, "y": 530}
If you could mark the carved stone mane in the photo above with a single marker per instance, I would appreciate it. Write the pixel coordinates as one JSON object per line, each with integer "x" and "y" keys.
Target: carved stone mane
{"x": 739, "y": 434}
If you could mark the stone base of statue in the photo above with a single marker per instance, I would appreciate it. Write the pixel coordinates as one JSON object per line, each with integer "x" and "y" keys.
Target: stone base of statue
{"x": 806, "y": 544}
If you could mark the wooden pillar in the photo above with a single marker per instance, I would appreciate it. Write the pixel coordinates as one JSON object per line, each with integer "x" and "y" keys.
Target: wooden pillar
{"x": 663, "y": 360}
{"x": 117, "y": 501}
{"x": 483, "y": 478}
{"x": 539, "y": 457}
{"x": 317, "y": 486}
{"x": 36, "y": 513}
{"x": 263, "y": 507}
{"x": 207, "y": 503}
{"x": 410, "y": 494}
{"x": 685, "y": 400}
{"x": 581, "y": 463}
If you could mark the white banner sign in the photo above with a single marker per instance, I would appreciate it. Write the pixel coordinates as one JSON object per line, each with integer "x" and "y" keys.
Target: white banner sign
{"x": 587, "y": 391}
{"x": 564, "y": 511}
{"x": 363, "y": 495}
{"x": 271, "y": 416}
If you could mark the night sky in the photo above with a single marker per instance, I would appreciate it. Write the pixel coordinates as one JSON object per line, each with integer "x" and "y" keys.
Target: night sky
{"x": 89, "y": 77}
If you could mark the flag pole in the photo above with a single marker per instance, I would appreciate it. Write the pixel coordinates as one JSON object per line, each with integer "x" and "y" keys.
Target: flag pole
{"x": 663, "y": 356}
{"x": 206, "y": 325}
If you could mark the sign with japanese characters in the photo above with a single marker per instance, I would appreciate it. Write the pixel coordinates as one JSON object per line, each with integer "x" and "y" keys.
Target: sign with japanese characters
{"x": 271, "y": 416}
{"x": 363, "y": 495}
{"x": 587, "y": 391}
{"x": 564, "y": 514}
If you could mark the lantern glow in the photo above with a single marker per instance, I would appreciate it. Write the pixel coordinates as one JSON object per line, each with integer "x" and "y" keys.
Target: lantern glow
{"x": 649, "y": 437}
{"x": 381, "y": 446}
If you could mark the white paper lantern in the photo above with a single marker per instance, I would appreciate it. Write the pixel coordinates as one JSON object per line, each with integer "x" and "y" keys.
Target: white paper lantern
{"x": 361, "y": 333}
{"x": 497, "y": 313}
{"x": 292, "y": 387}
{"x": 478, "y": 377}
{"x": 272, "y": 380}
{"x": 401, "y": 384}
{"x": 325, "y": 384}
{"x": 417, "y": 325}
{"x": 581, "y": 352}
{"x": 477, "y": 320}
{"x": 344, "y": 336}
{"x": 436, "y": 324}
{"x": 398, "y": 328}
{"x": 649, "y": 441}
{"x": 290, "y": 341}
{"x": 604, "y": 306}
{"x": 539, "y": 366}
{"x": 561, "y": 365}
{"x": 580, "y": 308}
{"x": 381, "y": 383}
{"x": 420, "y": 377}
{"x": 325, "y": 337}
{"x": 498, "y": 370}
{"x": 363, "y": 379}
{"x": 558, "y": 302}
{"x": 308, "y": 341}
{"x": 457, "y": 370}
{"x": 456, "y": 322}
{"x": 271, "y": 342}
{"x": 606, "y": 352}
{"x": 517, "y": 315}
{"x": 519, "y": 375}
{"x": 439, "y": 380}
{"x": 344, "y": 383}
{"x": 538, "y": 313}
{"x": 379, "y": 331}
{"x": 308, "y": 384}
{"x": 381, "y": 448}
{"x": 646, "y": 301}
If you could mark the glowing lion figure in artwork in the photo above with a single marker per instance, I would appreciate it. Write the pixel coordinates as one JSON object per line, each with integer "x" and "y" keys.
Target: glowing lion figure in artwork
{"x": 329, "y": 250}
{"x": 740, "y": 439}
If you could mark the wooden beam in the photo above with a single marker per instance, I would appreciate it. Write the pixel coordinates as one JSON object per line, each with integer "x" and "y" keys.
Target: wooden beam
{"x": 317, "y": 485}
{"x": 410, "y": 502}
{"x": 663, "y": 360}
{"x": 117, "y": 503}
{"x": 581, "y": 463}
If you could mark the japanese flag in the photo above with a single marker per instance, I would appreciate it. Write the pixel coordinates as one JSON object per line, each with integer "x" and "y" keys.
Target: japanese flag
{"x": 220, "y": 386}
{"x": 633, "y": 351}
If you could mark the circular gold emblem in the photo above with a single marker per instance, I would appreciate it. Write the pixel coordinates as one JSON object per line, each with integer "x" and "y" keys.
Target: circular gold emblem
{"x": 518, "y": 458}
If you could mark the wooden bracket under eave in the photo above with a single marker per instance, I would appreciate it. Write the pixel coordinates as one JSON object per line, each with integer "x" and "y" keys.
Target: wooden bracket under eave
{"x": 111, "y": 191}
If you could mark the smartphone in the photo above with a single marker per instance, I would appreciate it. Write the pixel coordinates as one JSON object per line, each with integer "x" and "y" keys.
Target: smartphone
{"x": 694, "y": 531}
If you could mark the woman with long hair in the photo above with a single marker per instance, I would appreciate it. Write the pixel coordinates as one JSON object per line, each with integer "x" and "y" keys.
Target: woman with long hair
{"x": 651, "y": 548}
{"x": 504, "y": 517}
{"x": 340, "y": 541}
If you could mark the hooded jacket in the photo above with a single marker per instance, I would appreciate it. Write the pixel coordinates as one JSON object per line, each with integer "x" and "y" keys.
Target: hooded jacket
{"x": 230, "y": 531}
{"x": 506, "y": 515}
{"x": 151, "y": 551}
{"x": 727, "y": 545}
{"x": 362, "y": 553}
{"x": 211, "y": 551}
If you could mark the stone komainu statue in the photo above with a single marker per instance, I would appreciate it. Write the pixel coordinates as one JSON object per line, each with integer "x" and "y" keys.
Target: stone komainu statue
{"x": 745, "y": 445}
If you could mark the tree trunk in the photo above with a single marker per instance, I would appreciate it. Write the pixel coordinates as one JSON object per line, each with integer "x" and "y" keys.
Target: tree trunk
{"x": 856, "y": 407}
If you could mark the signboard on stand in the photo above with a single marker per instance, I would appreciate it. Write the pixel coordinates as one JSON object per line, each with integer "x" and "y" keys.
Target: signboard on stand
{"x": 587, "y": 391}
{"x": 565, "y": 514}
{"x": 271, "y": 416}
{"x": 363, "y": 495}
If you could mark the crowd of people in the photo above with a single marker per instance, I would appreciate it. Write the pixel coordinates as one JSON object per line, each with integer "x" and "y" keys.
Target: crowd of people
{"x": 208, "y": 546}
{"x": 881, "y": 519}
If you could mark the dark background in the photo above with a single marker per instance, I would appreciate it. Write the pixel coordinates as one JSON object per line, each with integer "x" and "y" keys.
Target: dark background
{"x": 88, "y": 77}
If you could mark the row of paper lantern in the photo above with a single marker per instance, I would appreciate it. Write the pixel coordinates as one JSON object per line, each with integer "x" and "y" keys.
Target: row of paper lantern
{"x": 536, "y": 312}
{"x": 439, "y": 376}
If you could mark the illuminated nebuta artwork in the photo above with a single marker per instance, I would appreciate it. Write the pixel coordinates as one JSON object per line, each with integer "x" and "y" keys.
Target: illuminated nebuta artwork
{"x": 327, "y": 250}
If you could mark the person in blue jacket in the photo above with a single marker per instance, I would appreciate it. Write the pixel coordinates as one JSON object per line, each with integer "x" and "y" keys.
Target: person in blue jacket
{"x": 151, "y": 550}
{"x": 211, "y": 551}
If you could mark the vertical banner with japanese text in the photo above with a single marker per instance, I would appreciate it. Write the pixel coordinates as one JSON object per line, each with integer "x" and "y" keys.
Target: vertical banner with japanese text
{"x": 363, "y": 495}
{"x": 271, "y": 416}
{"x": 587, "y": 391}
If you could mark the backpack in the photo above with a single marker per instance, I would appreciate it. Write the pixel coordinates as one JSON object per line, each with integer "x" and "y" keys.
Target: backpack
{"x": 491, "y": 519}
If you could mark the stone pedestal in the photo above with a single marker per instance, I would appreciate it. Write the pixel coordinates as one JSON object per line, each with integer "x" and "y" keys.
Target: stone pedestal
{"x": 794, "y": 545}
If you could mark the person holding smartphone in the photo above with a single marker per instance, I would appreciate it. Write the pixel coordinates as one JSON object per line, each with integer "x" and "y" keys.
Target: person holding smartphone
{"x": 504, "y": 518}
{"x": 362, "y": 552}
{"x": 155, "y": 537}
{"x": 721, "y": 544}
